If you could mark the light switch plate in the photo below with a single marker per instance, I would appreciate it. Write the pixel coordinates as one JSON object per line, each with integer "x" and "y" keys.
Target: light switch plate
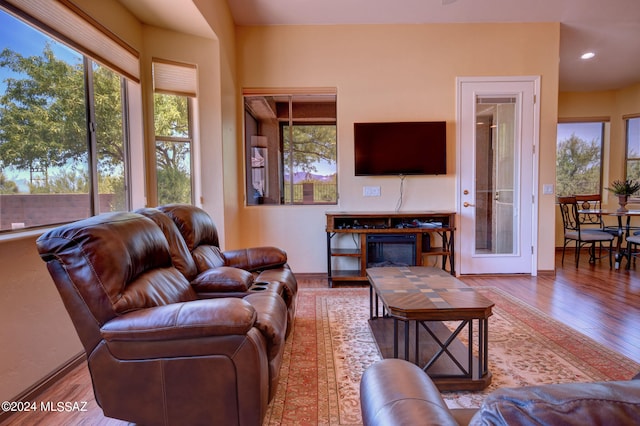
{"x": 371, "y": 191}
{"x": 547, "y": 188}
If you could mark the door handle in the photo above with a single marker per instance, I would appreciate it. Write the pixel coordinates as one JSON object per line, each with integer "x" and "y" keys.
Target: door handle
{"x": 466, "y": 204}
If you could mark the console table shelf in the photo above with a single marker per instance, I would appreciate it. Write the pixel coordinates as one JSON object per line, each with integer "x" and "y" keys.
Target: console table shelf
{"x": 346, "y": 252}
{"x": 366, "y": 229}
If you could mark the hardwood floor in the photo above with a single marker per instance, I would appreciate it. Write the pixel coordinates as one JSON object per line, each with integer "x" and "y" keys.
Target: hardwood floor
{"x": 601, "y": 303}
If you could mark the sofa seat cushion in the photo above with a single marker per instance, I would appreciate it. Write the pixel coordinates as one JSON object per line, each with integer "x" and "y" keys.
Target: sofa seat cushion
{"x": 610, "y": 403}
{"x": 223, "y": 279}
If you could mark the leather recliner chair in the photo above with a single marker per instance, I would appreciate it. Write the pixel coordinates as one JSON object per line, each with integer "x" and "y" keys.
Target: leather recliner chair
{"x": 156, "y": 353}
{"x": 216, "y": 273}
{"x": 397, "y": 392}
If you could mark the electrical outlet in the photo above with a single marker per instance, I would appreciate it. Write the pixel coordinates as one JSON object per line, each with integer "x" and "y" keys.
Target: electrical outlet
{"x": 371, "y": 191}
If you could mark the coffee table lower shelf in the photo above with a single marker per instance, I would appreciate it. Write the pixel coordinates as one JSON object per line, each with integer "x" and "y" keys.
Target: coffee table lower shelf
{"x": 445, "y": 374}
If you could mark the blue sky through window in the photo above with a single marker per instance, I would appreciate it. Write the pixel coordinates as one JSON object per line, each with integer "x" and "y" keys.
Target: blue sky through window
{"x": 24, "y": 39}
{"x": 20, "y": 37}
{"x": 585, "y": 131}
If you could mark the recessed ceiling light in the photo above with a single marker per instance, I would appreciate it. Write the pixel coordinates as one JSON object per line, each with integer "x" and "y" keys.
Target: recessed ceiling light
{"x": 588, "y": 55}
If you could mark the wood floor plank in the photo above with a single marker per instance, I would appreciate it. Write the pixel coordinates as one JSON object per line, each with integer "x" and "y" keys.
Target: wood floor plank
{"x": 593, "y": 299}
{"x": 601, "y": 303}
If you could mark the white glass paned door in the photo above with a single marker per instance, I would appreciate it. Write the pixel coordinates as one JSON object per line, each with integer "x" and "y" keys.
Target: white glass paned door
{"x": 496, "y": 179}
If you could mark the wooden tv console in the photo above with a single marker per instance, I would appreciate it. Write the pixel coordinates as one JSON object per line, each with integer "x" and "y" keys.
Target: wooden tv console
{"x": 359, "y": 227}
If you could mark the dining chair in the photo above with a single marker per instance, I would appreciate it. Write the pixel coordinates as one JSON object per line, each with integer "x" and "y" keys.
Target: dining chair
{"x": 590, "y": 209}
{"x": 590, "y": 205}
{"x": 631, "y": 251}
{"x": 582, "y": 234}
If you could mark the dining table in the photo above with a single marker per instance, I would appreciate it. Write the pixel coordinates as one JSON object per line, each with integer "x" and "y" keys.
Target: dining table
{"x": 623, "y": 229}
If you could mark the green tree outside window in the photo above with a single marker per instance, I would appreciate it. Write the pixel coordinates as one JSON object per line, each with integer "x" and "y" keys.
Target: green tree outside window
{"x": 579, "y": 159}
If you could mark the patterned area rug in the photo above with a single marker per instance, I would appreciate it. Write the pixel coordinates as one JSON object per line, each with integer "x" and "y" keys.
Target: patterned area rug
{"x": 332, "y": 345}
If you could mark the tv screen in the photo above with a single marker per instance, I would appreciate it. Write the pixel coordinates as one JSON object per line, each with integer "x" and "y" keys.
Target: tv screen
{"x": 400, "y": 148}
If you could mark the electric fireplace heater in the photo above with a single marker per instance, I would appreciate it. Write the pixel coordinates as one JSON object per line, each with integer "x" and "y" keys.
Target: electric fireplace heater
{"x": 391, "y": 250}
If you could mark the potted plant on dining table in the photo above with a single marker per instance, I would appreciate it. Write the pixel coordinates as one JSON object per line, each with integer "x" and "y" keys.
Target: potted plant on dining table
{"x": 623, "y": 189}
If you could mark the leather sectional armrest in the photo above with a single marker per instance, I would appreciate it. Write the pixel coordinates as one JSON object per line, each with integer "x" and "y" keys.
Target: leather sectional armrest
{"x": 223, "y": 279}
{"x": 272, "y": 319}
{"x": 195, "y": 319}
{"x": 255, "y": 258}
{"x": 397, "y": 392}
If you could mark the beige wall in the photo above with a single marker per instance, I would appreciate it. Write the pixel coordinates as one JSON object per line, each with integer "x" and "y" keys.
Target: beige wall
{"x": 612, "y": 105}
{"x": 390, "y": 72}
{"x": 227, "y": 153}
{"x": 37, "y": 335}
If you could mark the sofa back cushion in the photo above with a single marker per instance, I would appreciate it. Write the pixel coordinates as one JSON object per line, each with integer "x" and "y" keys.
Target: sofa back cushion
{"x": 195, "y": 225}
{"x": 207, "y": 257}
{"x": 116, "y": 263}
{"x": 199, "y": 233}
{"x": 180, "y": 253}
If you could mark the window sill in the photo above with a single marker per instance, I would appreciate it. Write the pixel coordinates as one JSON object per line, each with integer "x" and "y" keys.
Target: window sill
{"x": 19, "y": 235}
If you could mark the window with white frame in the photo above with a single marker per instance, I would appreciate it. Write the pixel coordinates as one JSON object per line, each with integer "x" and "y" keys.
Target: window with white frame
{"x": 63, "y": 115}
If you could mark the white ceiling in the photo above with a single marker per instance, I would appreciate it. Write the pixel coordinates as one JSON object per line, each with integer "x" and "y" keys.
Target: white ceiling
{"x": 609, "y": 28}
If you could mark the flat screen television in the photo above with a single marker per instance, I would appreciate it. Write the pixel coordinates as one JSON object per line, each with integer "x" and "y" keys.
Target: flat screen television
{"x": 400, "y": 148}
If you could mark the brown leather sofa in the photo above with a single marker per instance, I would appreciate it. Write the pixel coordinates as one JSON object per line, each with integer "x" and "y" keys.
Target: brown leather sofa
{"x": 157, "y": 353}
{"x": 195, "y": 250}
{"x": 396, "y": 392}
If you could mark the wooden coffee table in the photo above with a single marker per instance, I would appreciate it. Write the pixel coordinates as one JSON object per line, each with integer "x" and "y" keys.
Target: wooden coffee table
{"x": 425, "y": 297}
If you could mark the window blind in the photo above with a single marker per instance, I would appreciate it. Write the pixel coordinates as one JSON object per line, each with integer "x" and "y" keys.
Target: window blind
{"x": 70, "y": 25}
{"x": 174, "y": 78}
{"x": 584, "y": 120}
